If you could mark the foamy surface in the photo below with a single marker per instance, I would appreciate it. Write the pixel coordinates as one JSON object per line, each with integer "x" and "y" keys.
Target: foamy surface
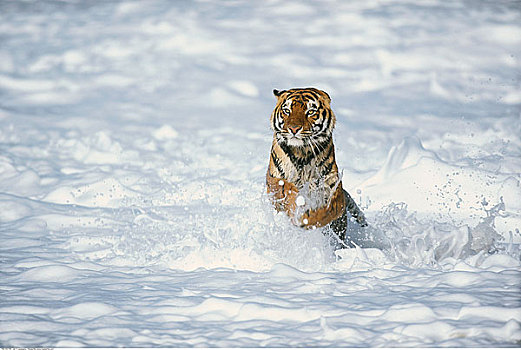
{"x": 134, "y": 140}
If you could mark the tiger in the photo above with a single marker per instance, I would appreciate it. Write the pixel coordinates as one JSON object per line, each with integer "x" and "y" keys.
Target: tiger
{"x": 302, "y": 177}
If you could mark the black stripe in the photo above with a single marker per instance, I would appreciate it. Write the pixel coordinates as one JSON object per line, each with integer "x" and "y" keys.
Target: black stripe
{"x": 296, "y": 161}
{"x": 304, "y": 92}
{"x": 276, "y": 161}
{"x": 328, "y": 168}
{"x": 296, "y": 96}
{"x": 320, "y": 146}
{"x": 276, "y": 124}
{"x": 275, "y": 120}
{"x": 280, "y": 122}
{"x": 327, "y": 156}
{"x": 324, "y": 114}
{"x": 312, "y": 93}
{"x": 326, "y": 117}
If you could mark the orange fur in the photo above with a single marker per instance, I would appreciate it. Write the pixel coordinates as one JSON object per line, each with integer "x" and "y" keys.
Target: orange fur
{"x": 284, "y": 198}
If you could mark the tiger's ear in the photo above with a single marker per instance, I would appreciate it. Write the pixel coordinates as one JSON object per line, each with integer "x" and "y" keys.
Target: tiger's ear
{"x": 277, "y": 93}
{"x": 325, "y": 95}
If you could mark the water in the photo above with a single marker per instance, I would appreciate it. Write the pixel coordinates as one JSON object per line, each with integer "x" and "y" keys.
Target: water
{"x": 134, "y": 141}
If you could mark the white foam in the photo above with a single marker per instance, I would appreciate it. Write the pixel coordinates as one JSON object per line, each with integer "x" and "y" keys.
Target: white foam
{"x": 166, "y": 132}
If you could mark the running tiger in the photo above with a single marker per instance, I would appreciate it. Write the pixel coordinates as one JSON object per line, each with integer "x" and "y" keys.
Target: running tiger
{"x": 302, "y": 178}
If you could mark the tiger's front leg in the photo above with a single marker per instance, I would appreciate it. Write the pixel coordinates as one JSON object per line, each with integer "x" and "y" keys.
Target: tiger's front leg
{"x": 323, "y": 216}
{"x": 282, "y": 193}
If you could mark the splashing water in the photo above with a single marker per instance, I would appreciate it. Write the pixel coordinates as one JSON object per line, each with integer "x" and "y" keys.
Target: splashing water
{"x": 412, "y": 241}
{"x": 256, "y": 238}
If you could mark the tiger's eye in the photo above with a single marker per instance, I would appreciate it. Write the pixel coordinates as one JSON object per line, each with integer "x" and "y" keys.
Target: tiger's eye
{"x": 285, "y": 111}
{"x": 311, "y": 112}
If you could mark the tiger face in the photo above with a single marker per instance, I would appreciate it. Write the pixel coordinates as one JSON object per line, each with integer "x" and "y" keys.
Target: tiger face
{"x": 302, "y": 117}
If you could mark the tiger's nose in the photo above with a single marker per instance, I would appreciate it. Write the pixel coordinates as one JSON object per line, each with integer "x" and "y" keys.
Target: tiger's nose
{"x": 294, "y": 129}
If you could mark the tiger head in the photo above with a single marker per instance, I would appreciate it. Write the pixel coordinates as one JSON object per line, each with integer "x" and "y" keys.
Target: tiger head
{"x": 302, "y": 117}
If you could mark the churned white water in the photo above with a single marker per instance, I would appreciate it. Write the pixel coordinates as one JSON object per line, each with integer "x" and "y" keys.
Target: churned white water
{"x": 134, "y": 141}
